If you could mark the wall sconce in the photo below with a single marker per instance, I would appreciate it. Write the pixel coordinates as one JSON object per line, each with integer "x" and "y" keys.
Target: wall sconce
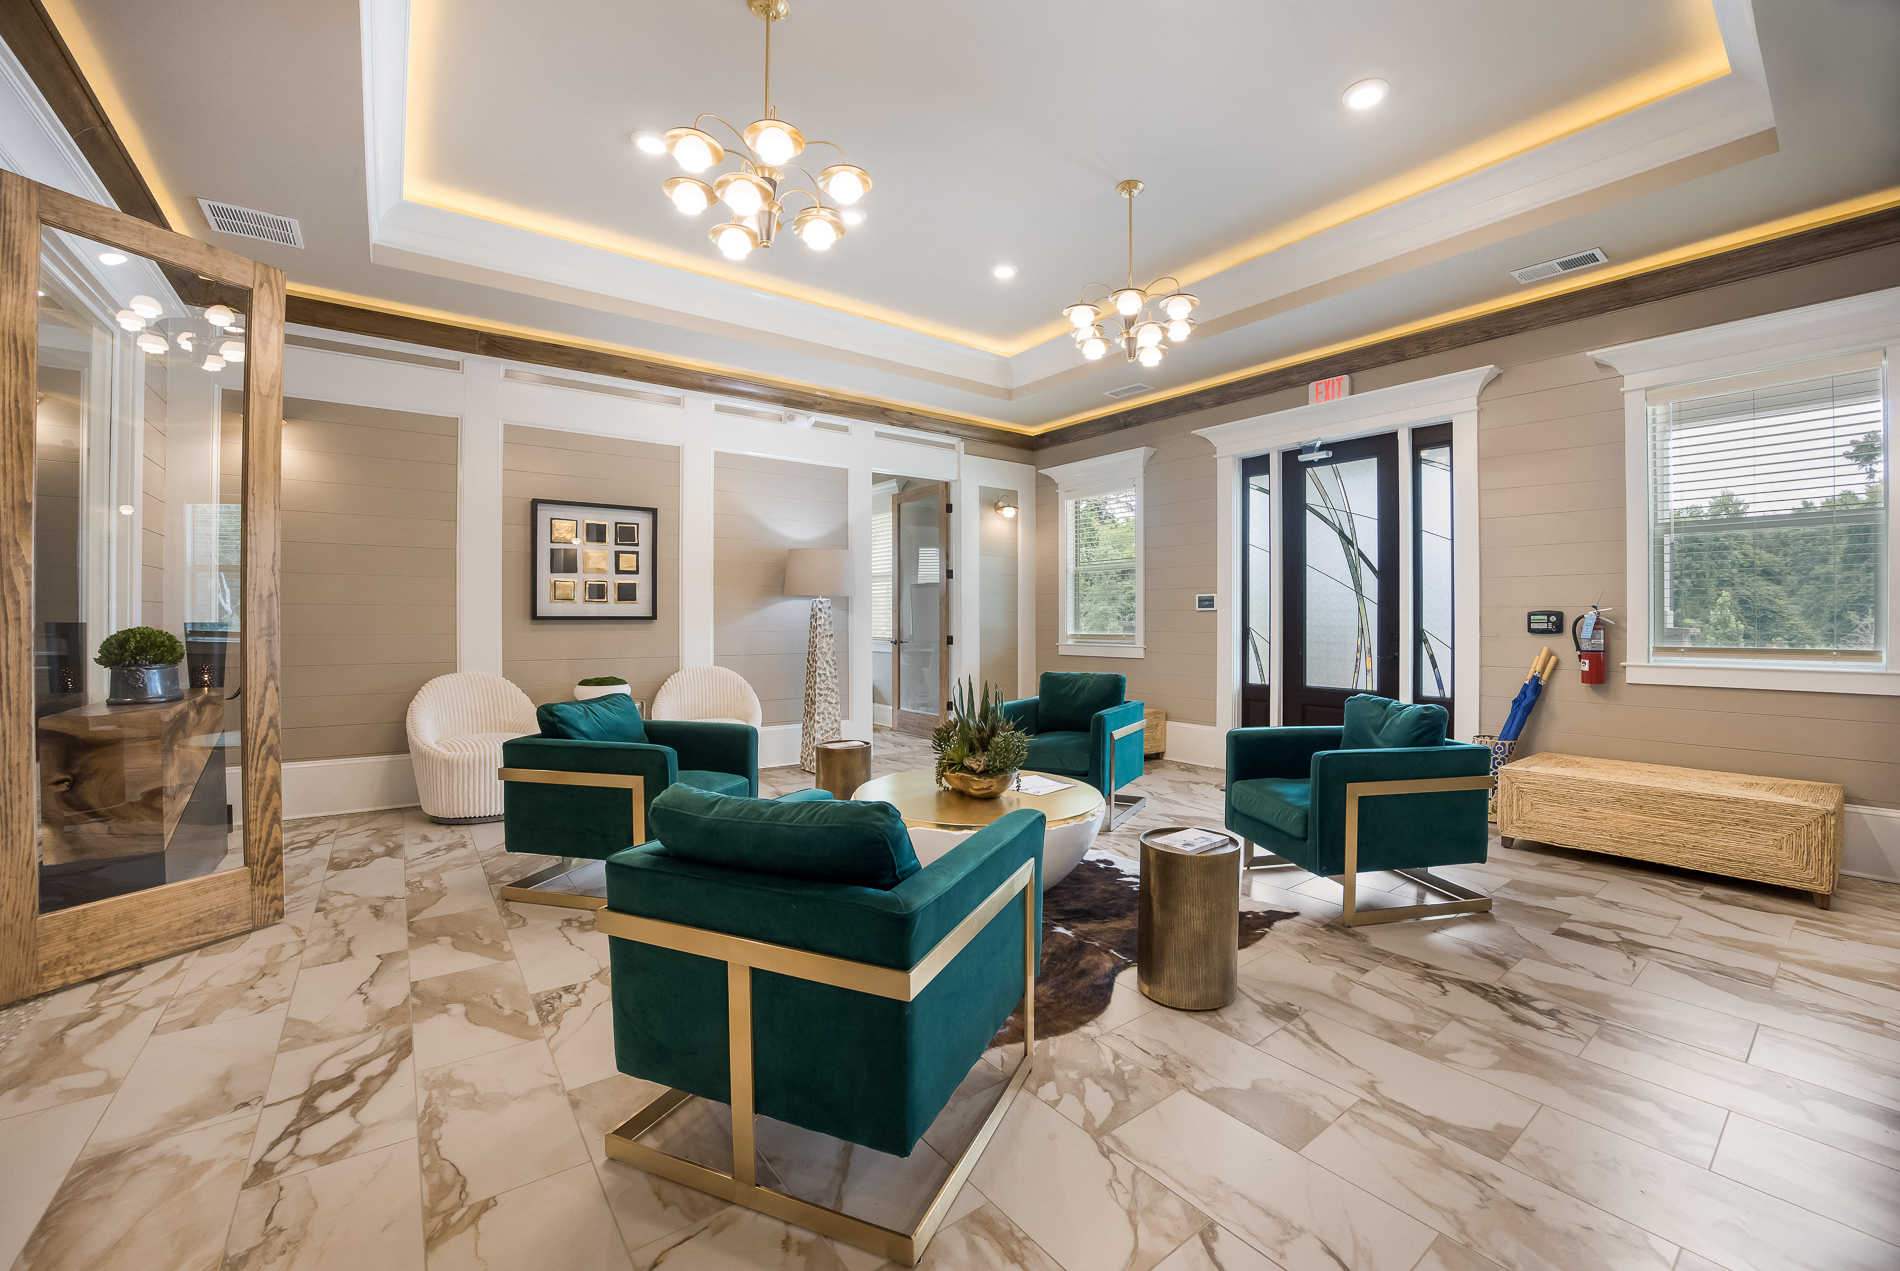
{"x": 1006, "y": 509}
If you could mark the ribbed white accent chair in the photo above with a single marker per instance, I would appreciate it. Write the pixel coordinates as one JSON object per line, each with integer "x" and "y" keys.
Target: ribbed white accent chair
{"x": 708, "y": 693}
{"x": 456, "y": 726}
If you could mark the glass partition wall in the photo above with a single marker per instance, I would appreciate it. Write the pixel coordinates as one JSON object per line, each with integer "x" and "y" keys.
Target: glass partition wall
{"x": 142, "y": 403}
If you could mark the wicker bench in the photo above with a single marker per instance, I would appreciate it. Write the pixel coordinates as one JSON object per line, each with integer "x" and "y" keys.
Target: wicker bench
{"x": 1765, "y": 829}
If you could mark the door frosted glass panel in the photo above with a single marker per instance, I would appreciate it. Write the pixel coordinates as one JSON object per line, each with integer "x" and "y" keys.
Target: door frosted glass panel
{"x": 1341, "y": 574}
{"x": 920, "y": 599}
{"x": 1255, "y": 653}
{"x": 136, "y": 518}
{"x": 1433, "y": 508}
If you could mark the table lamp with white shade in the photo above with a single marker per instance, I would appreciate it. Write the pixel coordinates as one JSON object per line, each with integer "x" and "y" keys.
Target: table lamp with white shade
{"x": 821, "y": 573}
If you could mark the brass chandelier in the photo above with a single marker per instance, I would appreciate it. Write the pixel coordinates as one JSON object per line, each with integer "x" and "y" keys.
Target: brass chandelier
{"x": 1136, "y": 317}
{"x": 754, "y": 194}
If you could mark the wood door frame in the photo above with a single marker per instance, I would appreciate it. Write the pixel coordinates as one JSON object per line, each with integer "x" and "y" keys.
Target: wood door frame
{"x": 39, "y": 952}
{"x": 915, "y": 494}
{"x": 1256, "y": 700}
{"x": 1294, "y": 692}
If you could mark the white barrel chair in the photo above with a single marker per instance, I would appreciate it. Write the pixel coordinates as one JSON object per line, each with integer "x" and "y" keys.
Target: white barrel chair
{"x": 710, "y": 693}
{"x": 456, "y": 726}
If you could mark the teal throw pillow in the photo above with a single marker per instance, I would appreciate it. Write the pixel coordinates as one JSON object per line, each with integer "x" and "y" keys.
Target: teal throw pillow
{"x": 828, "y": 841}
{"x": 1378, "y": 723}
{"x": 610, "y": 718}
{"x": 1070, "y": 699}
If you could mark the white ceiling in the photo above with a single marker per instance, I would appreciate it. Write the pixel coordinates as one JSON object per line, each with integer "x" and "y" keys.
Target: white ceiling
{"x": 472, "y": 158}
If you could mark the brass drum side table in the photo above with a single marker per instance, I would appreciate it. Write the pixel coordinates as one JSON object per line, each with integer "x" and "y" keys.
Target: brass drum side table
{"x": 843, "y": 766}
{"x": 1188, "y": 939}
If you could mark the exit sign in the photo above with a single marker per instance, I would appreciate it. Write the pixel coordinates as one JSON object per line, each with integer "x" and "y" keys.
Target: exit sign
{"x": 1328, "y": 390}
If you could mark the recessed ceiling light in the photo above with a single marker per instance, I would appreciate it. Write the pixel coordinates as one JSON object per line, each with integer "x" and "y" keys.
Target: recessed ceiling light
{"x": 853, "y": 217}
{"x": 1367, "y": 93}
{"x": 112, "y": 258}
{"x": 1004, "y": 271}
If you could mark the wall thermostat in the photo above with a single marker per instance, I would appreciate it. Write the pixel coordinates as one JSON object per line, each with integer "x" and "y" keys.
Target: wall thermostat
{"x": 1544, "y": 622}
{"x": 1203, "y": 602}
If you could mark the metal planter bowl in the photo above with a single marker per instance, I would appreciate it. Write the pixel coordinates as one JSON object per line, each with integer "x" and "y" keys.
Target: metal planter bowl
{"x": 134, "y": 685}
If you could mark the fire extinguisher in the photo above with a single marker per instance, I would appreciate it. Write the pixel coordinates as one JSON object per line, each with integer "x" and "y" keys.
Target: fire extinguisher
{"x": 1586, "y": 632}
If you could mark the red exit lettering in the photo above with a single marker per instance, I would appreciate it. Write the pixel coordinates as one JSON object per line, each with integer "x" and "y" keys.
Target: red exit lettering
{"x": 1328, "y": 390}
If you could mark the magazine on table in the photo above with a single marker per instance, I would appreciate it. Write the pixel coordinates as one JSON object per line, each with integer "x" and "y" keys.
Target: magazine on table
{"x": 1193, "y": 842}
{"x": 1036, "y": 783}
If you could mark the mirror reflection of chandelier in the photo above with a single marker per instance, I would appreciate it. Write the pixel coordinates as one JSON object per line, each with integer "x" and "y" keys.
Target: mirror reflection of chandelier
{"x": 1137, "y": 317}
{"x": 755, "y": 193}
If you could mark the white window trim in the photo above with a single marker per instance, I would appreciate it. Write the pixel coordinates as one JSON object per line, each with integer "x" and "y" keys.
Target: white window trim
{"x": 1853, "y": 325}
{"x": 1080, "y": 479}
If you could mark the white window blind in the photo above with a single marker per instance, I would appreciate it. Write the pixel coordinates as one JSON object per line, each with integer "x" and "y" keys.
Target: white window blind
{"x": 1768, "y": 515}
{"x": 1102, "y": 583}
{"x": 881, "y": 561}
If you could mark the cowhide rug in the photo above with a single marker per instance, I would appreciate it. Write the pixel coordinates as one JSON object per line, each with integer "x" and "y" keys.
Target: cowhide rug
{"x": 1089, "y": 937}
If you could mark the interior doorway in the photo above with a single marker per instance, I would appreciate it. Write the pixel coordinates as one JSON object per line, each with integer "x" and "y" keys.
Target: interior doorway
{"x": 920, "y": 606}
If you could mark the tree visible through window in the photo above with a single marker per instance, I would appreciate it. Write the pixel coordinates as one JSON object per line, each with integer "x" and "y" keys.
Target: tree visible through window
{"x": 1102, "y": 599}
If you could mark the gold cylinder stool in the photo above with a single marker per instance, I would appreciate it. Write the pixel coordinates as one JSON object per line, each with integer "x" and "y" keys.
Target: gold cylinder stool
{"x": 1188, "y": 937}
{"x": 843, "y": 766}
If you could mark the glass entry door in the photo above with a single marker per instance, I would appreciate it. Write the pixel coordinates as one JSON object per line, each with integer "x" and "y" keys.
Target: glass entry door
{"x": 920, "y": 603}
{"x": 1340, "y": 525}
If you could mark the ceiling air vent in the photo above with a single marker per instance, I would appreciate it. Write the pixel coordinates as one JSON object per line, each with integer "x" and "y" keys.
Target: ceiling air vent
{"x": 1129, "y": 390}
{"x": 246, "y": 222}
{"x": 773, "y": 416}
{"x": 1562, "y": 265}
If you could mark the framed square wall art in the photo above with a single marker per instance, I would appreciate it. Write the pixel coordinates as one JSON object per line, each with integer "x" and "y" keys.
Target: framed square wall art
{"x": 593, "y": 562}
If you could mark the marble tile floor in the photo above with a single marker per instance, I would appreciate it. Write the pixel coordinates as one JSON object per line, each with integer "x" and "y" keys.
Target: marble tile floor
{"x": 1620, "y": 1067}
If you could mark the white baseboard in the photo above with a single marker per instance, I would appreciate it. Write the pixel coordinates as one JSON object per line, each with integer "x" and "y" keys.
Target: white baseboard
{"x": 1873, "y": 843}
{"x": 1201, "y": 744}
{"x": 880, "y": 715}
{"x": 778, "y": 743}
{"x": 331, "y": 787}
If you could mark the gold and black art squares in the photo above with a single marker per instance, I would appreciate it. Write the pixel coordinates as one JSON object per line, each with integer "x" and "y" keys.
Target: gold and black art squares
{"x": 592, "y": 561}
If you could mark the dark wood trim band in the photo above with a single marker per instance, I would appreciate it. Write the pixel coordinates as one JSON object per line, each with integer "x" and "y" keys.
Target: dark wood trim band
{"x": 335, "y": 316}
{"x": 1808, "y": 247}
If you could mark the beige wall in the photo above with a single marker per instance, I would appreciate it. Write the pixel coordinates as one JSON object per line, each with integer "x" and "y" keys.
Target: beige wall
{"x": 996, "y": 538}
{"x": 369, "y": 573}
{"x": 762, "y": 508}
{"x": 1550, "y": 474}
{"x": 545, "y": 658}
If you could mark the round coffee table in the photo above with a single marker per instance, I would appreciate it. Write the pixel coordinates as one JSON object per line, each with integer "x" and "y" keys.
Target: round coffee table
{"x": 940, "y": 819}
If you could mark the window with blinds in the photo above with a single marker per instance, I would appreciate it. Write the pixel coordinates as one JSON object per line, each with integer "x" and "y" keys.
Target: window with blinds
{"x": 1768, "y": 515}
{"x": 881, "y": 562}
{"x": 1101, "y": 566}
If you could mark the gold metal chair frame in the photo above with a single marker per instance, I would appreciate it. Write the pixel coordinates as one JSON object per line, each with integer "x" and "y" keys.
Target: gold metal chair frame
{"x": 1463, "y": 899}
{"x": 742, "y": 957}
{"x": 527, "y": 890}
{"x": 1120, "y": 808}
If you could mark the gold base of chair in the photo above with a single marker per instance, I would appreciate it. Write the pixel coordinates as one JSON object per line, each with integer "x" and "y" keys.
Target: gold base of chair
{"x": 527, "y": 890}
{"x": 1121, "y": 807}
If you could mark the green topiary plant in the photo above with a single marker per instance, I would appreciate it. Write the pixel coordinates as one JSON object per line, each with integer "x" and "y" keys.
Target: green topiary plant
{"x": 140, "y": 646}
{"x": 978, "y": 738}
{"x": 598, "y": 680}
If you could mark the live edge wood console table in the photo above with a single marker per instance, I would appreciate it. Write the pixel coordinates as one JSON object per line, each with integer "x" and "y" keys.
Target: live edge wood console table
{"x": 1766, "y": 829}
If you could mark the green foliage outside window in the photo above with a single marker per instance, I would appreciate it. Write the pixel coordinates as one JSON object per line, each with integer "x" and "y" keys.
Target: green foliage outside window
{"x": 1102, "y": 565}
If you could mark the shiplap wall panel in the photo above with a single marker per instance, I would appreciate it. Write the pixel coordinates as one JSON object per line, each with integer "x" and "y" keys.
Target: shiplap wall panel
{"x": 763, "y": 508}
{"x": 996, "y": 540}
{"x": 369, "y": 573}
{"x": 546, "y": 658}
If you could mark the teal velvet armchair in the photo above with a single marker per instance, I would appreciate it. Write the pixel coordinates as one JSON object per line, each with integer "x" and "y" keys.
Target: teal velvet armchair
{"x": 1384, "y": 792}
{"x": 791, "y": 960}
{"x": 1081, "y": 725}
{"x": 582, "y": 789}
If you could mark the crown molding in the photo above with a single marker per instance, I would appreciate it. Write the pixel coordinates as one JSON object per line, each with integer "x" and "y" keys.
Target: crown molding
{"x": 1380, "y": 410}
{"x": 1871, "y": 320}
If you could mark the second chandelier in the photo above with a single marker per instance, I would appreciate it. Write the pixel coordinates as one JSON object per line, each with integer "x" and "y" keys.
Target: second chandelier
{"x": 1135, "y": 317}
{"x": 754, "y": 193}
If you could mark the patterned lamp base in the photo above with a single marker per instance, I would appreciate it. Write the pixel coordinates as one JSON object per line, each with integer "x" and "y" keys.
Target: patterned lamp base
{"x": 822, "y": 720}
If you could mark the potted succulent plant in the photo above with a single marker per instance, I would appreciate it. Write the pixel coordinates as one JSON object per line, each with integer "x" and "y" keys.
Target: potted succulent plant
{"x": 144, "y": 665}
{"x": 979, "y": 749}
{"x": 600, "y": 686}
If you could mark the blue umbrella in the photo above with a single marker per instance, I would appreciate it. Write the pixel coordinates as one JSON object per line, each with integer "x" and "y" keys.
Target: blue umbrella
{"x": 1526, "y": 699}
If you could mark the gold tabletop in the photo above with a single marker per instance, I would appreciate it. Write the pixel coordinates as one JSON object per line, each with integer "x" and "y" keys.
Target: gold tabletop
{"x": 923, "y": 806}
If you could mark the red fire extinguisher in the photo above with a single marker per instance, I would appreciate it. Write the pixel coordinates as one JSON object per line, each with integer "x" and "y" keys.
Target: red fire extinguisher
{"x": 1587, "y": 633}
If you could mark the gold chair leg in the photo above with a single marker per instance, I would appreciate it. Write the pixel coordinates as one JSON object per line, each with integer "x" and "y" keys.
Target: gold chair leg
{"x": 1464, "y": 900}
{"x": 528, "y": 891}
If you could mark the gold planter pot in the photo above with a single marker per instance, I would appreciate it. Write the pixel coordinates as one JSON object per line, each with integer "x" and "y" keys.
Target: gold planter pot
{"x": 980, "y": 785}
